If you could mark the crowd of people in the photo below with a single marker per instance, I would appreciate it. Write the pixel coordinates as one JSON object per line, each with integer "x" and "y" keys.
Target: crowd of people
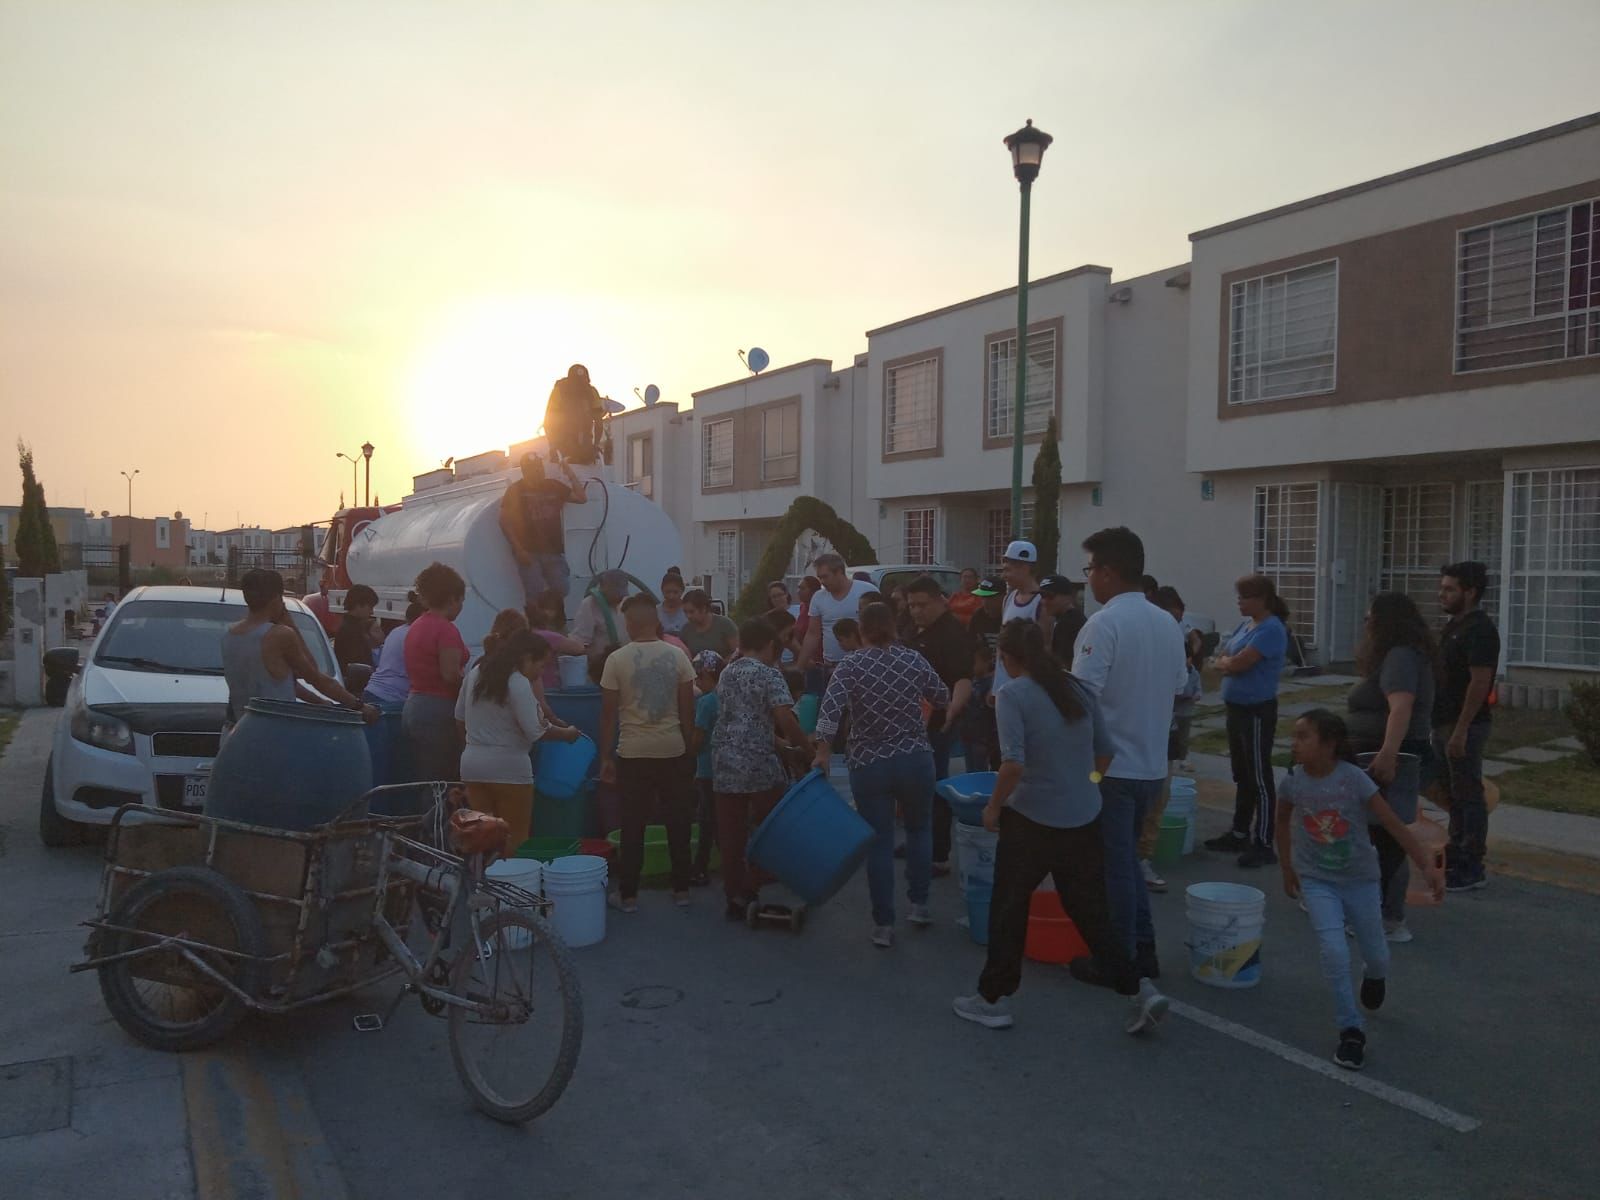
{"x": 705, "y": 723}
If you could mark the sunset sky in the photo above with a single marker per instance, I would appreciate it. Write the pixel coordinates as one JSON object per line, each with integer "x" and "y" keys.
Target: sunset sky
{"x": 236, "y": 238}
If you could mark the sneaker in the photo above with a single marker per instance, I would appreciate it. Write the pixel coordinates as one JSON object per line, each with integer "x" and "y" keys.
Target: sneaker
{"x": 681, "y": 899}
{"x": 919, "y": 915}
{"x": 1258, "y": 856}
{"x": 1087, "y": 970}
{"x": 1304, "y": 907}
{"x": 1146, "y": 1009}
{"x": 1145, "y": 961}
{"x": 1229, "y": 843}
{"x": 1372, "y": 994}
{"x": 1352, "y": 1049}
{"x": 700, "y": 877}
{"x": 1465, "y": 880}
{"x": 1396, "y": 931}
{"x": 940, "y": 870}
{"x": 981, "y": 1012}
{"x": 1151, "y": 880}
{"x": 883, "y": 936}
{"x": 627, "y": 904}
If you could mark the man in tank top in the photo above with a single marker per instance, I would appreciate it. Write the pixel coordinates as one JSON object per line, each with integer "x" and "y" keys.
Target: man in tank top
{"x": 264, "y": 658}
{"x": 1023, "y": 599}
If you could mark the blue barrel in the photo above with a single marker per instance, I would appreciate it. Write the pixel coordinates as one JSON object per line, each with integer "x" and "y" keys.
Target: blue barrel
{"x": 812, "y": 840}
{"x": 968, "y": 795}
{"x": 562, "y": 767}
{"x": 578, "y": 706}
{"x": 290, "y": 766}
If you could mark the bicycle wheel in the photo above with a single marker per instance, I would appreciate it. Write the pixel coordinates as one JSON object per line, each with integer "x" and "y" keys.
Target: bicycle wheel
{"x": 516, "y": 1060}
{"x": 162, "y": 998}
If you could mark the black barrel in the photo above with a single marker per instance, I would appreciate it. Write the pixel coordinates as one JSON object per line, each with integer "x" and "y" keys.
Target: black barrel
{"x": 290, "y": 766}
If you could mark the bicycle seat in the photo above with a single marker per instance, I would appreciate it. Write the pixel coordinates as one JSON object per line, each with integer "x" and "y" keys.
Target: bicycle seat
{"x": 478, "y": 833}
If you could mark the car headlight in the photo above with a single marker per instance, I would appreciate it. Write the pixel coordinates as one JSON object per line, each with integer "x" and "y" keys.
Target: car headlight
{"x": 101, "y": 730}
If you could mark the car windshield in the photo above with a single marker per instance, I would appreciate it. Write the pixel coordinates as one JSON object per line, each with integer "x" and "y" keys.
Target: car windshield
{"x": 185, "y": 638}
{"x": 949, "y": 581}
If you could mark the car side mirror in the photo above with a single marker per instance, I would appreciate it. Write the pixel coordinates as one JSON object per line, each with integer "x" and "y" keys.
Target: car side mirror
{"x": 356, "y": 676}
{"x": 62, "y": 661}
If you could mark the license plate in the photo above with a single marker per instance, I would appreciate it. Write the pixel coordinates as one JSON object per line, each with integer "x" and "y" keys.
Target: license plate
{"x": 194, "y": 790}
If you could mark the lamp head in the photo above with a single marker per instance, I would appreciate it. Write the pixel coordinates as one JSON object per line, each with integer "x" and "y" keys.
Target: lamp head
{"x": 1027, "y": 146}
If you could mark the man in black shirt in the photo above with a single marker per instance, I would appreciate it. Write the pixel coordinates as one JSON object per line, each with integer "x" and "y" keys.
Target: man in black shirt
{"x": 1469, "y": 653}
{"x": 530, "y": 518}
{"x": 1061, "y": 602}
{"x": 941, "y": 639}
{"x": 985, "y": 623}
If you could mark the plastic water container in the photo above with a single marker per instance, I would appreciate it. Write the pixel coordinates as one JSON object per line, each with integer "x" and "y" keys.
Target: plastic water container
{"x": 524, "y": 872}
{"x": 1225, "y": 924}
{"x": 1169, "y": 842}
{"x": 1052, "y": 937}
{"x": 1184, "y": 804}
{"x": 1434, "y": 838}
{"x": 975, "y": 848}
{"x": 574, "y": 670}
{"x": 968, "y": 795}
{"x": 1403, "y": 791}
{"x": 806, "y": 710}
{"x": 978, "y": 898}
{"x": 564, "y": 766}
{"x": 812, "y": 840}
{"x": 578, "y": 706}
{"x": 288, "y": 765}
{"x": 577, "y": 887}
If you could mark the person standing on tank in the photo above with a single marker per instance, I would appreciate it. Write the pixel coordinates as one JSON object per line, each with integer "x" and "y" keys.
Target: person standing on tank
{"x": 573, "y": 416}
{"x": 530, "y": 518}
{"x": 436, "y": 659}
{"x": 264, "y": 657}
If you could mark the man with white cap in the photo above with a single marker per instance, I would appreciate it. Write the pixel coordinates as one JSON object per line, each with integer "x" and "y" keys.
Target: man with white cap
{"x": 1023, "y": 598}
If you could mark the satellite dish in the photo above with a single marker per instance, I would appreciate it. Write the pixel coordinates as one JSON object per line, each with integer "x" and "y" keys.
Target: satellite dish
{"x": 613, "y": 406}
{"x": 757, "y": 359}
{"x": 651, "y": 394}
{"x": 177, "y": 516}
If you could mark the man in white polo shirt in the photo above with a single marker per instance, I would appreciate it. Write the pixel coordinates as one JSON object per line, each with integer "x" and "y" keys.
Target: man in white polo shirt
{"x": 1130, "y": 654}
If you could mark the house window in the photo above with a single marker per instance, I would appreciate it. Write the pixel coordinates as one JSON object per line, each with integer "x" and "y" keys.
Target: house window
{"x": 1000, "y": 392}
{"x": 717, "y": 470}
{"x": 917, "y": 526}
{"x": 1528, "y": 289}
{"x": 998, "y": 529}
{"x": 1285, "y": 530}
{"x": 1418, "y": 520}
{"x": 728, "y": 564}
{"x": 780, "y": 442}
{"x": 1485, "y": 526}
{"x": 1282, "y": 331}
{"x": 641, "y": 458}
{"x": 1553, "y": 577}
{"x": 911, "y": 407}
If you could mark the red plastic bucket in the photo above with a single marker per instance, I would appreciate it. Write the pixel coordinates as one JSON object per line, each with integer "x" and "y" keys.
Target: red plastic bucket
{"x": 1052, "y": 937}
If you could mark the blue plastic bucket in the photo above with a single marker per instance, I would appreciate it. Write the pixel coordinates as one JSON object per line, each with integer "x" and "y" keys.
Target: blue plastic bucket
{"x": 812, "y": 840}
{"x": 563, "y": 766}
{"x": 978, "y": 898}
{"x": 967, "y": 795}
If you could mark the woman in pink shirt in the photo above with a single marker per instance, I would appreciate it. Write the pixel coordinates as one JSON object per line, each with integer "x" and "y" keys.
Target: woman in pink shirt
{"x": 436, "y": 659}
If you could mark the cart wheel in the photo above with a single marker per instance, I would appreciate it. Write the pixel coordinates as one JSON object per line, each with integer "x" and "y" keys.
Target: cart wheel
{"x": 752, "y": 914}
{"x": 161, "y": 997}
{"x": 797, "y": 918}
{"x": 516, "y": 1056}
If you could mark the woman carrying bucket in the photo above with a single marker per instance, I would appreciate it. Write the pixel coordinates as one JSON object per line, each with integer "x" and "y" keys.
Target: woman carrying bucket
{"x": 1324, "y": 805}
{"x": 1046, "y": 808}
{"x": 881, "y": 688}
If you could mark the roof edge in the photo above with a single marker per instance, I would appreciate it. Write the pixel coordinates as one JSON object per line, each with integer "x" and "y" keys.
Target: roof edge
{"x": 794, "y": 366}
{"x": 1440, "y": 164}
{"x": 1086, "y": 269}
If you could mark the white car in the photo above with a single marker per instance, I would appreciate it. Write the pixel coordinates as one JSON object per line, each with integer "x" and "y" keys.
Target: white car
{"x": 144, "y": 714}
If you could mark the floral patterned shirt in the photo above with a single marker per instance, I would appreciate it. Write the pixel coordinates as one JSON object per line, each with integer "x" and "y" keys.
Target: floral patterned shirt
{"x": 743, "y": 755}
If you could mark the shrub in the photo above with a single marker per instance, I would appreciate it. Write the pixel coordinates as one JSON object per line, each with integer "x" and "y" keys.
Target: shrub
{"x": 1583, "y": 710}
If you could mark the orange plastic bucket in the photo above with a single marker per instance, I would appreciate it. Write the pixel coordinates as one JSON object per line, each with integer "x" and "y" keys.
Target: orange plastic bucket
{"x": 1052, "y": 937}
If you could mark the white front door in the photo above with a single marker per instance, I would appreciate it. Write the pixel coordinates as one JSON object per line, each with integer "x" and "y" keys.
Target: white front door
{"x": 1353, "y": 566}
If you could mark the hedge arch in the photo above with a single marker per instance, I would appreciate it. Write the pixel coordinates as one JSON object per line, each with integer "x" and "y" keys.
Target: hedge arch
{"x": 805, "y": 513}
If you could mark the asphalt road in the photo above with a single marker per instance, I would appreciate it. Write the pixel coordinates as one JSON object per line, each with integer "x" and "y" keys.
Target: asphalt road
{"x": 720, "y": 1062}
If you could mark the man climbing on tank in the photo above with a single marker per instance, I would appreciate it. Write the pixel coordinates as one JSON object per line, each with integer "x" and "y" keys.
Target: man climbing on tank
{"x": 530, "y": 518}
{"x": 572, "y": 419}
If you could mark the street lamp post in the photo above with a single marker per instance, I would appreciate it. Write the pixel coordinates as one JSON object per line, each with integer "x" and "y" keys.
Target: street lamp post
{"x": 1027, "y": 146}
{"x": 366, "y": 454}
{"x": 352, "y": 459}
{"x": 129, "y": 478}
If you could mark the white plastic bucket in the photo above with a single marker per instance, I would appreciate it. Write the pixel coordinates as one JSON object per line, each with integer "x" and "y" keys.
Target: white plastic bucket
{"x": 975, "y": 847}
{"x": 1225, "y": 924}
{"x": 1183, "y": 804}
{"x": 525, "y": 874}
{"x": 574, "y": 670}
{"x": 577, "y": 887}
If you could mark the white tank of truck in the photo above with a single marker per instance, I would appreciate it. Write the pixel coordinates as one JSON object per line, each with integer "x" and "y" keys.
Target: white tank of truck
{"x": 458, "y": 523}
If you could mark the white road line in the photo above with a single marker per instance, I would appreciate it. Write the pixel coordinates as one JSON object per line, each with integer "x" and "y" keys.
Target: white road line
{"x": 1449, "y": 1118}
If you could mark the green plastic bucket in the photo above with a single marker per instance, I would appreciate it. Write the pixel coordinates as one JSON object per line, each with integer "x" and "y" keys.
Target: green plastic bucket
{"x": 547, "y": 849}
{"x": 1169, "y": 842}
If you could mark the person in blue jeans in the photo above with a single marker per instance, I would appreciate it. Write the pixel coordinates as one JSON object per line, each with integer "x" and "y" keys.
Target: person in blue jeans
{"x": 1329, "y": 861}
{"x": 880, "y": 689}
{"x": 1251, "y": 663}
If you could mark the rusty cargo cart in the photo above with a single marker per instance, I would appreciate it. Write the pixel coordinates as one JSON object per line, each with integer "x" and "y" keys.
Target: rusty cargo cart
{"x": 202, "y": 921}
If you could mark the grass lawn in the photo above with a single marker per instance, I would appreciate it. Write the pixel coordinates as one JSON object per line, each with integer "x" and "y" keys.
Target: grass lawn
{"x": 1514, "y": 727}
{"x": 1570, "y": 785}
{"x": 8, "y": 726}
